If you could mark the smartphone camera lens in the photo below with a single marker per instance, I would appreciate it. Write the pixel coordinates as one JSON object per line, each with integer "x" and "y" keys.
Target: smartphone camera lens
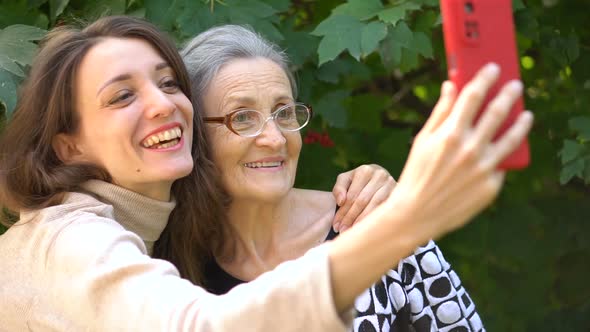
{"x": 469, "y": 7}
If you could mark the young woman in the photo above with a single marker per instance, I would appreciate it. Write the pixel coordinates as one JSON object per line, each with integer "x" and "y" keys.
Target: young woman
{"x": 83, "y": 163}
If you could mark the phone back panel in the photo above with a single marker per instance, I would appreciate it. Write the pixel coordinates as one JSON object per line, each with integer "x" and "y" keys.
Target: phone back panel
{"x": 477, "y": 32}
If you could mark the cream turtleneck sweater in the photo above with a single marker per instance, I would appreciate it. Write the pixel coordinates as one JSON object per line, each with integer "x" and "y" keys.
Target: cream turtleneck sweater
{"x": 84, "y": 265}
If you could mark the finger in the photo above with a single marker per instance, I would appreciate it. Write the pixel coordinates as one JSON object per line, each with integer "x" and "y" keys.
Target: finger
{"x": 357, "y": 204}
{"x": 443, "y": 107}
{"x": 380, "y": 196}
{"x": 358, "y": 180}
{"x": 511, "y": 138}
{"x": 473, "y": 95}
{"x": 343, "y": 181}
{"x": 497, "y": 111}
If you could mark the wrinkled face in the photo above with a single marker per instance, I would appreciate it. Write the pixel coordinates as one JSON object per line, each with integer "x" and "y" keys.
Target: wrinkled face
{"x": 135, "y": 122}
{"x": 262, "y": 167}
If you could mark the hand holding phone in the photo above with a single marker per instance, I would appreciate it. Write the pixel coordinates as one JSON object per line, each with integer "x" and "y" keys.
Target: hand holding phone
{"x": 477, "y": 32}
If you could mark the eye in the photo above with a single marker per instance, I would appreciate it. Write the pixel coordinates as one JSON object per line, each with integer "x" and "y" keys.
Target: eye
{"x": 169, "y": 85}
{"x": 246, "y": 120}
{"x": 121, "y": 96}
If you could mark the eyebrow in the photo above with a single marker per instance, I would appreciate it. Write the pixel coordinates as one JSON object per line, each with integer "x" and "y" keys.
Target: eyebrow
{"x": 124, "y": 77}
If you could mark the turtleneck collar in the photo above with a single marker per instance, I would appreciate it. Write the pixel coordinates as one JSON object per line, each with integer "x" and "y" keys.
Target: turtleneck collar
{"x": 139, "y": 214}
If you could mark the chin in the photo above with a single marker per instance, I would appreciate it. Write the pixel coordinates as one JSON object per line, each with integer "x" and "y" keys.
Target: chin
{"x": 177, "y": 172}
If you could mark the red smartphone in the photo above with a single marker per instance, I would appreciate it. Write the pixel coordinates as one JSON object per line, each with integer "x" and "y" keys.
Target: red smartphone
{"x": 477, "y": 32}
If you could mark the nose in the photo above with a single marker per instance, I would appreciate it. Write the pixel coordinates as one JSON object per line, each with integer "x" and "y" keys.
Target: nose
{"x": 158, "y": 103}
{"x": 271, "y": 136}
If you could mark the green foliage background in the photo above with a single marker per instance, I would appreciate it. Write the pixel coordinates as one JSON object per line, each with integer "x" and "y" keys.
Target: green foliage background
{"x": 372, "y": 70}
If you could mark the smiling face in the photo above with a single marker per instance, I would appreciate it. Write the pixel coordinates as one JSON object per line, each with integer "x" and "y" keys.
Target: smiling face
{"x": 135, "y": 122}
{"x": 262, "y": 167}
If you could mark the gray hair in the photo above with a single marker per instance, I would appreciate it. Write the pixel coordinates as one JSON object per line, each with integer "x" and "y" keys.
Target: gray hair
{"x": 209, "y": 51}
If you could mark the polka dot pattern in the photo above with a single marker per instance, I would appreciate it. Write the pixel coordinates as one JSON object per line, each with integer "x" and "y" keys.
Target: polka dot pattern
{"x": 422, "y": 294}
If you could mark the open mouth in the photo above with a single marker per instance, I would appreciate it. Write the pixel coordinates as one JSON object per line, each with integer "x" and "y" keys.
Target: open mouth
{"x": 164, "y": 139}
{"x": 264, "y": 164}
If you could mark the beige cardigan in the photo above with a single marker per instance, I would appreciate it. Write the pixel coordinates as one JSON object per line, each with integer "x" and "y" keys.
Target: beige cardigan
{"x": 84, "y": 265}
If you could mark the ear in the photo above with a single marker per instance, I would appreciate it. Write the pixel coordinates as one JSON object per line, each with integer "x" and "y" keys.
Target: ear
{"x": 67, "y": 149}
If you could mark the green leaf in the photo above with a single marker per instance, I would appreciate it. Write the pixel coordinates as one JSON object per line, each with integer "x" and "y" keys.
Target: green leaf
{"x": 362, "y": 9}
{"x": 393, "y": 148}
{"x": 331, "y": 108}
{"x": 371, "y": 35}
{"x": 396, "y": 13}
{"x": 19, "y": 12}
{"x": 332, "y": 71}
{"x": 365, "y": 111}
{"x": 56, "y": 7}
{"x": 248, "y": 10}
{"x": 517, "y": 5}
{"x": 35, "y": 3}
{"x": 164, "y": 13}
{"x": 581, "y": 125}
{"x": 340, "y": 32}
{"x": 196, "y": 17}
{"x": 426, "y": 20}
{"x": 430, "y": 3}
{"x": 7, "y": 92}
{"x": 16, "y": 47}
{"x": 101, "y": 8}
{"x": 279, "y": 5}
{"x": 409, "y": 60}
{"x": 565, "y": 50}
{"x": 391, "y": 47}
{"x": 570, "y": 151}
{"x": 300, "y": 46}
{"x": 421, "y": 44}
{"x": 8, "y": 64}
{"x": 572, "y": 169}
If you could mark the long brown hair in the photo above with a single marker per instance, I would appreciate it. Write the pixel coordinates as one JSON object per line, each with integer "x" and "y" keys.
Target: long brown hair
{"x": 33, "y": 177}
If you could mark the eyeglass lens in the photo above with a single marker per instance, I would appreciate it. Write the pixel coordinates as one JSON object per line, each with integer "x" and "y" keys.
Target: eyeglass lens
{"x": 290, "y": 118}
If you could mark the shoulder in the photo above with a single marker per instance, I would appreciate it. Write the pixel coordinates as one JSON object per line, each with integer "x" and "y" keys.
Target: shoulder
{"x": 314, "y": 210}
{"x": 77, "y": 231}
{"x": 315, "y": 200}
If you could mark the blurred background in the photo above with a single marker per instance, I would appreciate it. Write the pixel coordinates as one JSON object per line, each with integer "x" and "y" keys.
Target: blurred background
{"x": 372, "y": 71}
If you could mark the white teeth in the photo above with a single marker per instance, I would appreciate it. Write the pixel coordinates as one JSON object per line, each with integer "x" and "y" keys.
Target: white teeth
{"x": 264, "y": 164}
{"x": 168, "y": 144}
{"x": 173, "y": 135}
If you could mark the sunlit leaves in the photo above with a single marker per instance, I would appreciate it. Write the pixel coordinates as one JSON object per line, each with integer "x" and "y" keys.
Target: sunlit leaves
{"x": 340, "y": 32}
{"x": 359, "y": 27}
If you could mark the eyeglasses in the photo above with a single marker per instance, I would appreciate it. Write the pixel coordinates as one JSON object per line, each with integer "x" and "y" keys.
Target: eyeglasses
{"x": 250, "y": 123}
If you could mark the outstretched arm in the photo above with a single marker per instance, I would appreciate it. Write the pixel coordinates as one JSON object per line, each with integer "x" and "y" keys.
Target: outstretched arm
{"x": 451, "y": 175}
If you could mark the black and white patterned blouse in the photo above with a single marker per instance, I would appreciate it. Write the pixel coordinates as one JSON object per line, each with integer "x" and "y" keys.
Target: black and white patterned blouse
{"x": 422, "y": 294}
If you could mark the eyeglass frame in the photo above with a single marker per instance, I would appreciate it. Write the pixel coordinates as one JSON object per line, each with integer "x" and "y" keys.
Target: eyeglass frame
{"x": 226, "y": 120}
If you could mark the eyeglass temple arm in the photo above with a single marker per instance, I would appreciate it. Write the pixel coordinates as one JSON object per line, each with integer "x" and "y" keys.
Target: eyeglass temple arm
{"x": 214, "y": 119}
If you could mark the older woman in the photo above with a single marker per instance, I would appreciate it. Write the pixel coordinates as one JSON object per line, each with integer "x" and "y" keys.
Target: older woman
{"x": 243, "y": 86}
